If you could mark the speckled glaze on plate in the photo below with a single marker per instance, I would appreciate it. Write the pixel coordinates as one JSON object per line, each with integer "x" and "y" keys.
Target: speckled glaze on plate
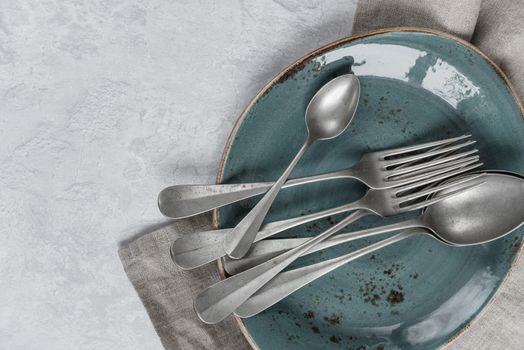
{"x": 416, "y": 86}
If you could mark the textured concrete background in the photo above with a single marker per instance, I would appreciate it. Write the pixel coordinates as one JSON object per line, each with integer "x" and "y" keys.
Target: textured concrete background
{"x": 103, "y": 103}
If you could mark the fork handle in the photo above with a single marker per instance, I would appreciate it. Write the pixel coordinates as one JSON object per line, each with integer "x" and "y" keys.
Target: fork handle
{"x": 181, "y": 201}
{"x": 288, "y": 282}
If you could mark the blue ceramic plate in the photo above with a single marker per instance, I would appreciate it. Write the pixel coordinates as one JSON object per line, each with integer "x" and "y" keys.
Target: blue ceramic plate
{"x": 416, "y": 86}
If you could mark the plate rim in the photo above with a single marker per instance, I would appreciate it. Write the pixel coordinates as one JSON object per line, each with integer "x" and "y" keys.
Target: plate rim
{"x": 282, "y": 76}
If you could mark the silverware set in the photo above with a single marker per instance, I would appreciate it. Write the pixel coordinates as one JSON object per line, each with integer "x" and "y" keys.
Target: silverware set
{"x": 459, "y": 208}
{"x": 201, "y": 248}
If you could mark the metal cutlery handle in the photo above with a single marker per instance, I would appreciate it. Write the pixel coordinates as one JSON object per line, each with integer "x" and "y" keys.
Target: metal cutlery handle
{"x": 182, "y": 201}
{"x": 238, "y": 242}
{"x": 288, "y": 282}
{"x": 268, "y": 249}
{"x": 197, "y": 249}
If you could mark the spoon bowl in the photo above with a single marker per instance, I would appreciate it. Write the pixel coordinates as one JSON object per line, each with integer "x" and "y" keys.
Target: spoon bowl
{"x": 333, "y": 107}
{"x": 480, "y": 214}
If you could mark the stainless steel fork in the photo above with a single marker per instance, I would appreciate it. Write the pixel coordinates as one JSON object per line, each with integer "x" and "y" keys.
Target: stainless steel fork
{"x": 221, "y": 299}
{"x": 375, "y": 169}
{"x": 197, "y": 249}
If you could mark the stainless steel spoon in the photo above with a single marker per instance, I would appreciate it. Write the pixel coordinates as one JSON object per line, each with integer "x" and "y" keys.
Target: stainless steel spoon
{"x": 328, "y": 114}
{"x": 478, "y": 215}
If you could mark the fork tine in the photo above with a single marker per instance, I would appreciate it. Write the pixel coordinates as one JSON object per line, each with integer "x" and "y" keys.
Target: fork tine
{"x": 433, "y": 189}
{"x": 405, "y": 165}
{"x": 407, "y": 149}
{"x": 438, "y": 198}
{"x": 437, "y": 178}
{"x": 432, "y": 169}
{"x": 428, "y": 154}
{"x": 440, "y": 160}
{"x": 432, "y": 172}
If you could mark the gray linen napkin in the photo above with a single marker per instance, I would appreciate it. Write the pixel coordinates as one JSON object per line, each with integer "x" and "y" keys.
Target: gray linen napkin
{"x": 167, "y": 292}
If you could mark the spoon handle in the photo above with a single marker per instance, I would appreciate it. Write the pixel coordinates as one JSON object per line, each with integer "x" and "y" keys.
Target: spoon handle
{"x": 221, "y": 299}
{"x": 267, "y": 249}
{"x": 181, "y": 201}
{"x": 238, "y": 242}
{"x": 287, "y": 282}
